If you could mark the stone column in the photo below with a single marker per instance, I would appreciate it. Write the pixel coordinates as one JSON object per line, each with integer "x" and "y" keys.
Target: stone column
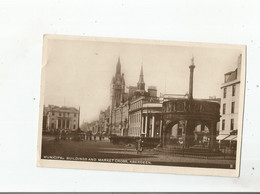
{"x": 213, "y": 132}
{"x": 163, "y": 133}
{"x": 160, "y": 136}
{"x": 146, "y": 120}
{"x": 189, "y": 135}
{"x": 153, "y": 127}
{"x": 57, "y": 123}
{"x": 142, "y": 124}
{"x": 192, "y": 66}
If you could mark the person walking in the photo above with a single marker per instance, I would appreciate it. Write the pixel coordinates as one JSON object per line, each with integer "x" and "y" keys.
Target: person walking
{"x": 139, "y": 147}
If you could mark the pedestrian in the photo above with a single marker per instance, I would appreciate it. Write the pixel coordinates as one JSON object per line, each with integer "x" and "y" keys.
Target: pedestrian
{"x": 139, "y": 146}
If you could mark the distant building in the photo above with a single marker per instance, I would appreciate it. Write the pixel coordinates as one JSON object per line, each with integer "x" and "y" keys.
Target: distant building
{"x": 103, "y": 122}
{"x": 58, "y": 118}
{"x": 120, "y": 119}
{"x": 230, "y": 101}
{"x": 93, "y": 127}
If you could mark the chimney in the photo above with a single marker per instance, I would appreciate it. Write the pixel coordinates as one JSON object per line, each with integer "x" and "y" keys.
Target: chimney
{"x": 192, "y": 66}
{"x": 152, "y": 90}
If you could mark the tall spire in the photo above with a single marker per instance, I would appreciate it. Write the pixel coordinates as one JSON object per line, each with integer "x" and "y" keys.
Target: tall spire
{"x": 118, "y": 66}
{"x": 141, "y": 84}
{"x": 141, "y": 77}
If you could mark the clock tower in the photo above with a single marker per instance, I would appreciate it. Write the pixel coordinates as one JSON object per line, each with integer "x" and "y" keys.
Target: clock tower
{"x": 117, "y": 86}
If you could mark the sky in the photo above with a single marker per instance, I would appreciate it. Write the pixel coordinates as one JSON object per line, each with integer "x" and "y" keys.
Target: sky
{"x": 78, "y": 72}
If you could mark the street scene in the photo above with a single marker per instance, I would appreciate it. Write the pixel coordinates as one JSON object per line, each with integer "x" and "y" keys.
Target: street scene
{"x": 104, "y": 151}
{"x": 142, "y": 104}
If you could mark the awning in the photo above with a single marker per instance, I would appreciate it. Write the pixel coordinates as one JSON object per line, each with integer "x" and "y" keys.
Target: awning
{"x": 221, "y": 136}
{"x": 231, "y": 137}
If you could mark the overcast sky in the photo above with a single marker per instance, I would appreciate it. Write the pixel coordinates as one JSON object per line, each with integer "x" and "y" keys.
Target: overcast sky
{"x": 79, "y": 73}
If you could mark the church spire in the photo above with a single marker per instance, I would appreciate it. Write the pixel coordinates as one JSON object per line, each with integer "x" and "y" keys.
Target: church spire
{"x": 118, "y": 66}
{"x": 141, "y": 84}
{"x": 141, "y": 77}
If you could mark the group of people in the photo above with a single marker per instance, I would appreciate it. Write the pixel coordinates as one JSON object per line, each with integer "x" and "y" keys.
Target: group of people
{"x": 77, "y": 135}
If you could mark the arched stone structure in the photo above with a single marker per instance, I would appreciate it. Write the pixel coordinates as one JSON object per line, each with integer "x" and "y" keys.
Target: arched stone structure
{"x": 192, "y": 112}
{"x": 168, "y": 130}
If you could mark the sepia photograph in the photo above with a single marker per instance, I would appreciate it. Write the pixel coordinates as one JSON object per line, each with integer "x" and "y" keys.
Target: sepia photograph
{"x": 141, "y": 105}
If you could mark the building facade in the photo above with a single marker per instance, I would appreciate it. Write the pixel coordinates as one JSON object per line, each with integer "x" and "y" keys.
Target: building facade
{"x": 135, "y": 117}
{"x": 93, "y": 127}
{"x": 145, "y": 117}
{"x": 103, "y": 122}
{"x": 117, "y": 87}
{"x": 61, "y": 118}
{"x": 230, "y": 100}
{"x": 144, "y": 111}
{"x": 118, "y": 121}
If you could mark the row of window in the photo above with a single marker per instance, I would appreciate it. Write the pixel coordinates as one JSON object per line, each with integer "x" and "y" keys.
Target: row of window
{"x": 63, "y": 114}
{"x": 135, "y": 118}
{"x": 232, "y": 108}
{"x": 231, "y": 124}
{"x": 233, "y": 91}
{"x": 59, "y": 126}
{"x": 136, "y": 105}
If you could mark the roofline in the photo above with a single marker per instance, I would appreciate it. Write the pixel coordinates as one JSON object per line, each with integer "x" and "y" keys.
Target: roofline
{"x": 229, "y": 83}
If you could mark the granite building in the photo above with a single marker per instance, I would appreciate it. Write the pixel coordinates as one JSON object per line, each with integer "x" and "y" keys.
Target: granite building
{"x": 119, "y": 104}
{"x": 60, "y": 118}
{"x": 230, "y": 102}
{"x": 144, "y": 111}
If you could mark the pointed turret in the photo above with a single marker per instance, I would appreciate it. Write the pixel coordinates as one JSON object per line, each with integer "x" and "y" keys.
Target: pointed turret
{"x": 141, "y": 78}
{"x": 118, "y": 67}
{"x": 141, "y": 84}
{"x": 117, "y": 86}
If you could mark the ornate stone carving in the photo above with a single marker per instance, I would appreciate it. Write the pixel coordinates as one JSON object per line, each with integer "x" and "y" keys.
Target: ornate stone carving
{"x": 191, "y": 107}
{"x": 179, "y": 106}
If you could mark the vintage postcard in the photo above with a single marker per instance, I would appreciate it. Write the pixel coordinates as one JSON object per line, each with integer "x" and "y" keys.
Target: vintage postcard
{"x": 141, "y": 105}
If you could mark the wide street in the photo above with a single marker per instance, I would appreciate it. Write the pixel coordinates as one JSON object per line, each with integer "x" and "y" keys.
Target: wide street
{"x": 107, "y": 152}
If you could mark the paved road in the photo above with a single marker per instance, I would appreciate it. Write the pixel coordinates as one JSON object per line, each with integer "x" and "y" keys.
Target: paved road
{"x": 106, "y": 151}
